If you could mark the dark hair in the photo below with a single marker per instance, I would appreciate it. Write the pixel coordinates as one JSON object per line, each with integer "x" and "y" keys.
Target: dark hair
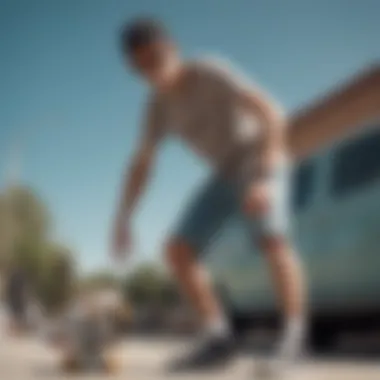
{"x": 141, "y": 32}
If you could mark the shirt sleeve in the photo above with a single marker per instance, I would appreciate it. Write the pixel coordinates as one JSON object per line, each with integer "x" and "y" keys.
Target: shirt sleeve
{"x": 153, "y": 123}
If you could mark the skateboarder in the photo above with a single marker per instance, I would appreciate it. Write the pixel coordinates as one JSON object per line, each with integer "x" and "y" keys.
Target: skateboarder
{"x": 239, "y": 131}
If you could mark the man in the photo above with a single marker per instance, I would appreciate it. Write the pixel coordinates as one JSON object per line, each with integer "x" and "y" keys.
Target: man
{"x": 239, "y": 132}
{"x": 17, "y": 297}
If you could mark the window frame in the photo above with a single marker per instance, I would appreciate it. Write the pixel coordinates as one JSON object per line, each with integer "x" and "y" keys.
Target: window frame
{"x": 310, "y": 168}
{"x": 341, "y": 187}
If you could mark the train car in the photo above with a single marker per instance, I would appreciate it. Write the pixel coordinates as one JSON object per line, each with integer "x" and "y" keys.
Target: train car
{"x": 336, "y": 221}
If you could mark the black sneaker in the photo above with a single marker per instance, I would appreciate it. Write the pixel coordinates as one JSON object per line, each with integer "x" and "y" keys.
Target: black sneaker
{"x": 214, "y": 353}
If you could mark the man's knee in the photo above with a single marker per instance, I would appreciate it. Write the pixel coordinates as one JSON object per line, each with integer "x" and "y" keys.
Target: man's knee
{"x": 255, "y": 205}
{"x": 178, "y": 254}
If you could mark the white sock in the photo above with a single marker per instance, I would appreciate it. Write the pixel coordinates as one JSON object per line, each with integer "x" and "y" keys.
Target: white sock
{"x": 218, "y": 327}
{"x": 293, "y": 337}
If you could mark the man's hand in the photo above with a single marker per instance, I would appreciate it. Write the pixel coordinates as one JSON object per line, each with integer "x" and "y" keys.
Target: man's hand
{"x": 121, "y": 240}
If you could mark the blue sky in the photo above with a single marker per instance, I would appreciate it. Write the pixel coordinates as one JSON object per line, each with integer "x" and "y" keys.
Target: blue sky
{"x": 64, "y": 88}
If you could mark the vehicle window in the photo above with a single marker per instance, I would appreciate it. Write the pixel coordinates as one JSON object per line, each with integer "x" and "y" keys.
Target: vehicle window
{"x": 303, "y": 185}
{"x": 356, "y": 164}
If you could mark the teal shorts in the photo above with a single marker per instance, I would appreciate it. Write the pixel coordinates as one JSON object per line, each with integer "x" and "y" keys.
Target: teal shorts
{"x": 222, "y": 197}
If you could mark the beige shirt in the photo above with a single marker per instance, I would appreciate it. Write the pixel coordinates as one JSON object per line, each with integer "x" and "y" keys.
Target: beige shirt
{"x": 205, "y": 113}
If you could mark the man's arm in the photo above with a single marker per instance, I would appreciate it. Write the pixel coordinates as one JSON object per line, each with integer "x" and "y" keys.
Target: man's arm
{"x": 138, "y": 172}
{"x": 134, "y": 182}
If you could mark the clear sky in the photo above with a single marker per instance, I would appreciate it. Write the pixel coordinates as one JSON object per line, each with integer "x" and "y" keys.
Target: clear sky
{"x": 63, "y": 87}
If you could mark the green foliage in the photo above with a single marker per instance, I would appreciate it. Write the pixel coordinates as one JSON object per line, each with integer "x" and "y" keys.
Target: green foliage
{"x": 57, "y": 277}
{"x": 25, "y": 229}
{"x": 98, "y": 280}
{"x": 149, "y": 285}
{"x": 30, "y": 216}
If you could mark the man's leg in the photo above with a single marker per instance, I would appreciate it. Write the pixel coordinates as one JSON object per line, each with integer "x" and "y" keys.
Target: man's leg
{"x": 287, "y": 275}
{"x": 195, "y": 283}
{"x": 202, "y": 219}
{"x": 271, "y": 213}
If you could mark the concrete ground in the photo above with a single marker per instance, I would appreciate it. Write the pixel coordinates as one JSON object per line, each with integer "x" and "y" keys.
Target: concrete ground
{"x": 144, "y": 358}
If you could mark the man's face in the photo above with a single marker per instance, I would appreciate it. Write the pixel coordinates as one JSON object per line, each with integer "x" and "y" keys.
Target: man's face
{"x": 156, "y": 62}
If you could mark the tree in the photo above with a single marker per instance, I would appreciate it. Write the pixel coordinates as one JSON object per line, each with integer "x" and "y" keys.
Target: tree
{"x": 99, "y": 280}
{"x": 25, "y": 232}
{"x": 149, "y": 285}
{"x": 24, "y": 221}
{"x": 31, "y": 217}
{"x": 57, "y": 279}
